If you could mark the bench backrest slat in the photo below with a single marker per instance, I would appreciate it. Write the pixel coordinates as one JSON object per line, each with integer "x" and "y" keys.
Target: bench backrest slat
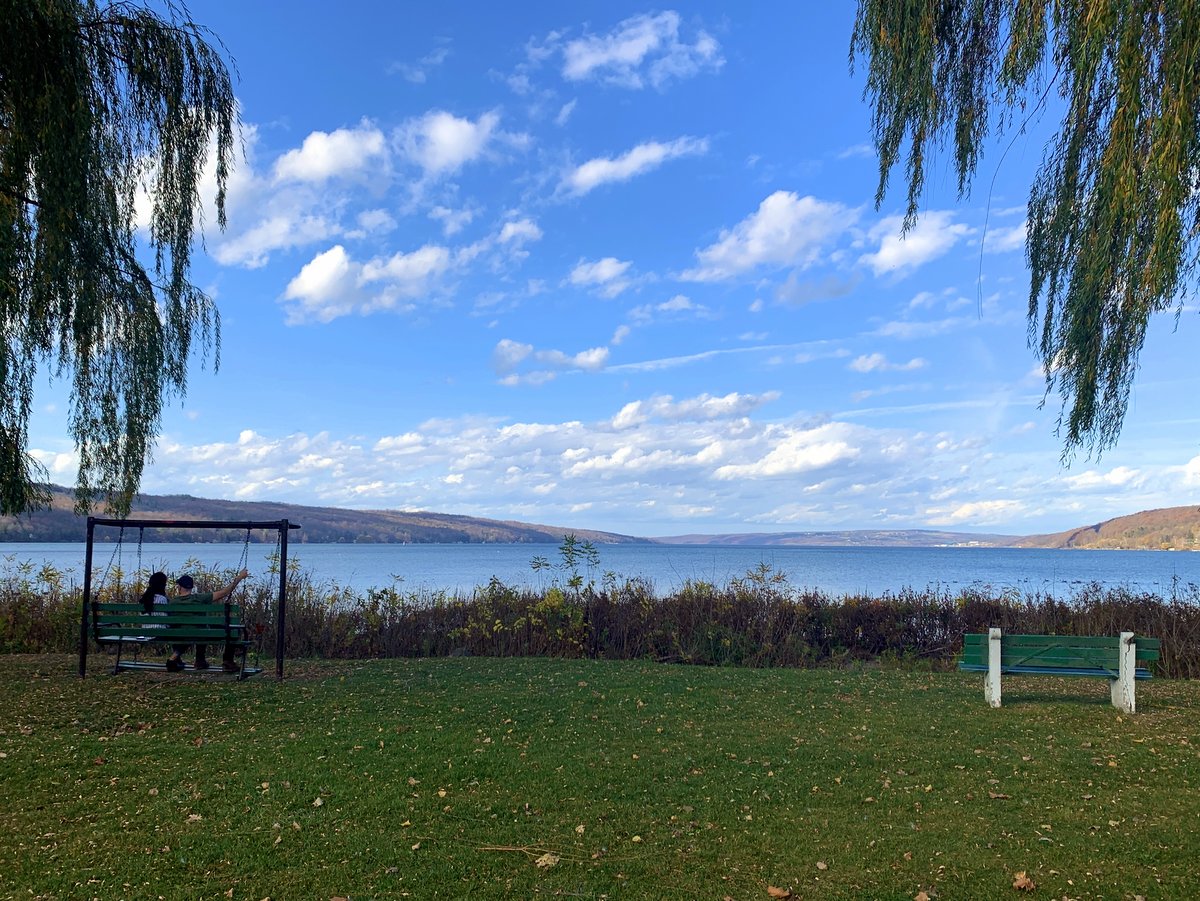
{"x": 1065, "y": 651}
{"x": 176, "y": 621}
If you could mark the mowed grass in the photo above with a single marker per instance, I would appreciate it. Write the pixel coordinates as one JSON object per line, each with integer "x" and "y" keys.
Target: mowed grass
{"x": 493, "y": 778}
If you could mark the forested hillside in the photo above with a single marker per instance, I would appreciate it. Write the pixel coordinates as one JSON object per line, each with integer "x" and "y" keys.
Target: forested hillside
{"x": 319, "y": 524}
{"x": 1171, "y": 528}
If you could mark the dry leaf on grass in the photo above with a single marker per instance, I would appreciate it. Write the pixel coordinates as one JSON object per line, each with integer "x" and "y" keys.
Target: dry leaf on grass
{"x": 1023, "y": 882}
{"x": 921, "y": 896}
{"x": 778, "y": 892}
{"x": 546, "y": 861}
{"x": 998, "y": 796}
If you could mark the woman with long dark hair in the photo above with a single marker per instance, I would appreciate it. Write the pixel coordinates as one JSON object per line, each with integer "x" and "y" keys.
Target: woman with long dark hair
{"x": 155, "y": 594}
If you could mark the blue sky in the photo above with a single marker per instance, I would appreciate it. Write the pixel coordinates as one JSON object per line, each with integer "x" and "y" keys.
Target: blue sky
{"x": 616, "y": 266}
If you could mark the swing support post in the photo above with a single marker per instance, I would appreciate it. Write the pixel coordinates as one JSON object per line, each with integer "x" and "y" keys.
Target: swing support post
{"x": 87, "y": 599}
{"x": 282, "y": 526}
{"x": 281, "y": 614}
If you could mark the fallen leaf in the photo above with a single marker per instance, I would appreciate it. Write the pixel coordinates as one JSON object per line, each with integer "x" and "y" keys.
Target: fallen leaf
{"x": 822, "y": 865}
{"x": 778, "y": 892}
{"x": 318, "y": 802}
{"x": 908, "y": 855}
{"x": 580, "y": 829}
{"x": 921, "y": 896}
{"x": 229, "y": 894}
{"x": 198, "y": 741}
{"x": 194, "y": 818}
{"x": 546, "y": 861}
{"x": 998, "y": 796}
{"x": 636, "y": 838}
{"x": 416, "y": 846}
{"x": 1023, "y": 882}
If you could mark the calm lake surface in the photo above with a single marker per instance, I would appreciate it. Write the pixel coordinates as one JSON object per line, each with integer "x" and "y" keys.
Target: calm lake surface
{"x": 835, "y": 570}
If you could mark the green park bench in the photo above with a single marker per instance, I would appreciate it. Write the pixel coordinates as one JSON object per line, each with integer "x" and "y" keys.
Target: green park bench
{"x": 1120, "y": 659}
{"x": 130, "y": 628}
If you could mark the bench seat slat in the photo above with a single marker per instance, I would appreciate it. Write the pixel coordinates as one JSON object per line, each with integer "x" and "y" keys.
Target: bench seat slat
{"x": 1138, "y": 673}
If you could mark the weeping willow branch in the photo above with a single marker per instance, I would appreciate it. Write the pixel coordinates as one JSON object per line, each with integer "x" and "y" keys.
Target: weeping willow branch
{"x": 1113, "y": 232}
{"x": 103, "y": 106}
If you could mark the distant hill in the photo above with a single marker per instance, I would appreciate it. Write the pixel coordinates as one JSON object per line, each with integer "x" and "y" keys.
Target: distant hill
{"x": 320, "y": 525}
{"x": 1171, "y": 528}
{"x": 859, "y": 538}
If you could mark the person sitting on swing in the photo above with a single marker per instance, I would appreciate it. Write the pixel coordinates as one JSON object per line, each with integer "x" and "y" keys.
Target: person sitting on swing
{"x": 185, "y": 584}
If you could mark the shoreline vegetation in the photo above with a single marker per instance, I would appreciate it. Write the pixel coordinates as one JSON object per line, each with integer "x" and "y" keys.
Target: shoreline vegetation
{"x": 757, "y": 620}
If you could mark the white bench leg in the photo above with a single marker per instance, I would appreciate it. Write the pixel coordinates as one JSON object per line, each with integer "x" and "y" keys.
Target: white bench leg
{"x": 991, "y": 682}
{"x": 1122, "y": 686}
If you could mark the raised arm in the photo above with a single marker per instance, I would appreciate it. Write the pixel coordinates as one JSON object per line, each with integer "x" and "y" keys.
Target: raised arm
{"x": 221, "y": 593}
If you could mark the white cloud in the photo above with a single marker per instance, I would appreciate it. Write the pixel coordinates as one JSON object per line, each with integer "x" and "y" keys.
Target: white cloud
{"x": 639, "y": 160}
{"x": 677, "y": 307}
{"x": 1002, "y": 240}
{"x": 976, "y": 513}
{"x": 376, "y": 221}
{"x": 333, "y": 285}
{"x": 640, "y": 49}
{"x": 518, "y": 231}
{"x": 252, "y": 248}
{"x": 798, "y": 451}
{"x": 442, "y": 143}
{"x": 453, "y": 221}
{"x": 863, "y": 151}
{"x": 325, "y": 288}
{"x": 418, "y": 72}
{"x": 702, "y": 408}
{"x": 564, "y": 113}
{"x": 786, "y": 230}
{"x": 1114, "y": 478}
{"x": 879, "y": 363}
{"x": 508, "y": 354}
{"x": 323, "y": 155}
{"x": 606, "y": 275}
{"x": 934, "y": 234}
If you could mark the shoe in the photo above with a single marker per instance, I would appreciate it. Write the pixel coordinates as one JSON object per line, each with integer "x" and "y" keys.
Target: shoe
{"x": 174, "y": 665}
{"x": 200, "y": 663}
{"x": 230, "y": 667}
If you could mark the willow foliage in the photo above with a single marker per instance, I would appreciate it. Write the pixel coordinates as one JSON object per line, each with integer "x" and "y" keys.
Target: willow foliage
{"x": 1114, "y": 212}
{"x": 102, "y": 105}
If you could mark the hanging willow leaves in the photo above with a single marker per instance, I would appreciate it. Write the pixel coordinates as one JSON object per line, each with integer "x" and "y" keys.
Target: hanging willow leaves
{"x": 100, "y": 104}
{"x": 1113, "y": 231}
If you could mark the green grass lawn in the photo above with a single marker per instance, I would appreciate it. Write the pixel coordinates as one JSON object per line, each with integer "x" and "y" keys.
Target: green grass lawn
{"x": 529, "y": 777}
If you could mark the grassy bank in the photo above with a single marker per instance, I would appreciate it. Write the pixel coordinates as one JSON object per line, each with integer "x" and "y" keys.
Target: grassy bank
{"x": 590, "y": 779}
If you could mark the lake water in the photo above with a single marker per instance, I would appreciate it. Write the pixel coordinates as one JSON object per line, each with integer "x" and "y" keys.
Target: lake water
{"x": 835, "y": 570}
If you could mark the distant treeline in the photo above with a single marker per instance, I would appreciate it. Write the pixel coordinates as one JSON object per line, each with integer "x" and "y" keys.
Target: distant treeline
{"x": 755, "y": 621}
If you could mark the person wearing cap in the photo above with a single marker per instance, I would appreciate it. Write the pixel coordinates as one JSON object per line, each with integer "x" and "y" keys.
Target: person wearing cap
{"x": 185, "y": 585}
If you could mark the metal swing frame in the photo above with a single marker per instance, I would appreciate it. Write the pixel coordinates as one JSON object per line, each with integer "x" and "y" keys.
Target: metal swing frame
{"x": 282, "y": 526}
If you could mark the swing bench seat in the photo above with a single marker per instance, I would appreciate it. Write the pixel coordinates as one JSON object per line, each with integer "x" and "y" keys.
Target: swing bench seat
{"x": 129, "y": 627}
